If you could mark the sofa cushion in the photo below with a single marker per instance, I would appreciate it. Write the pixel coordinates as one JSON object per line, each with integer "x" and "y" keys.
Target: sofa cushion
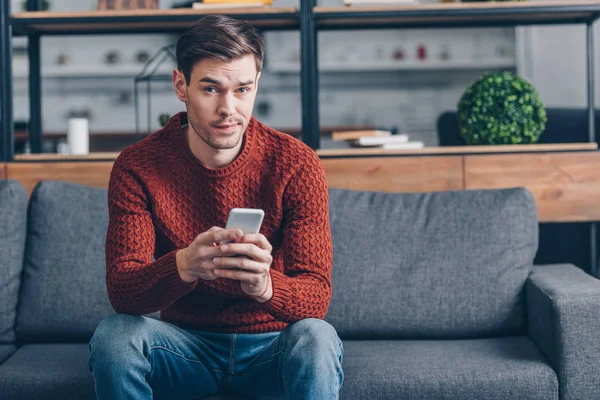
{"x": 64, "y": 297}
{"x": 431, "y": 265}
{"x": 48, "y": 371}
{"x": 6, "y": 350}
{"x": 13, "y": 225}
{"x": 491, "y": 369}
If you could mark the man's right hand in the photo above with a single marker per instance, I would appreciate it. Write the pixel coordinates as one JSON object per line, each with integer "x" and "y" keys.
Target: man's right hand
{"x": 195, "y": 261}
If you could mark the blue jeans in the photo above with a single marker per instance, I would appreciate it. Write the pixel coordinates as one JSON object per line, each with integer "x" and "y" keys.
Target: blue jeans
{"x": 136, "y": 357}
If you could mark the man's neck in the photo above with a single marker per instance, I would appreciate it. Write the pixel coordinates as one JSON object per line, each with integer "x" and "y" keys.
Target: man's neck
{"x": 208, "y": 156}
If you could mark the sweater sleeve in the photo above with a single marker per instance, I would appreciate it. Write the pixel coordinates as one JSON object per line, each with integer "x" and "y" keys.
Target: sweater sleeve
{"x": 303, "y": 290}
{"x": 135, "y": 283}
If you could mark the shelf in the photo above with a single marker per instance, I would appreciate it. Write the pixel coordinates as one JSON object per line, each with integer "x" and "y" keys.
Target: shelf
{"x": 65, "y": 157}
{"x": 143, "y": 21}
{"x": 399, "y": 66}
{"x": 496, "y": 149}
{"x": 440, "y": 15}
{"x": 92, "y": 71}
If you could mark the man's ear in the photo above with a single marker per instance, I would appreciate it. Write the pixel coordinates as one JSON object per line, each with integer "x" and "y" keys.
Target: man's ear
{"x": 257, "y": 78}
{"x": 179, "y": 85}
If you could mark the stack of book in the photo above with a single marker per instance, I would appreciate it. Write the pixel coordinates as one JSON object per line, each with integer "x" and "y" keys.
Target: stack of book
{"x": 377, "y": 139}
{"x": 380, "y": 2}
{"x": 208, "y": 4}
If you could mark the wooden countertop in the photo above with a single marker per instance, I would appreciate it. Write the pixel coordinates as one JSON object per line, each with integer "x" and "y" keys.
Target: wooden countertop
{"x": 434, "y": 150}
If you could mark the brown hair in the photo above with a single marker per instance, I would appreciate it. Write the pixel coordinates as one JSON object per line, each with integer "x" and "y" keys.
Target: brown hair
{"x": 219, "y": 37}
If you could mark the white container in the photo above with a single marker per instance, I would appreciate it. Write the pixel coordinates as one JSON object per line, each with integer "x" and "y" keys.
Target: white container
{"x": 78, "y": 136}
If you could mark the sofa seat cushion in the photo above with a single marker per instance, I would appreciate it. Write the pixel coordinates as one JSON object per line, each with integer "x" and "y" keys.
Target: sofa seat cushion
{"x": 47, "y": 371}
{"x": 53, "y": 371}
{"x": 492, "y": 369}
{"x": 6, "y": 350}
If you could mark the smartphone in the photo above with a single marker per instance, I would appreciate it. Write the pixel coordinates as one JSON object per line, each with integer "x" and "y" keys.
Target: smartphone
{"x": 249, "y": 220}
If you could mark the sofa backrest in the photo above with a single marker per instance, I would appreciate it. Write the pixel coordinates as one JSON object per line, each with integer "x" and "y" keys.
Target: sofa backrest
{"x": 63, "y": 295}
{"x": 13, "y": 223}
{"x": 431, "y": 265}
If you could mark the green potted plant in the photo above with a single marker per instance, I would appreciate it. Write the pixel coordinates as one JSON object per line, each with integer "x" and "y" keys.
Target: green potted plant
{"x": 501, "y": 108}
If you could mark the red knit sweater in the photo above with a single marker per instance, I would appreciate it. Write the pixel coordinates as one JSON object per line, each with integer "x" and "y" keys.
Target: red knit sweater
{"x": 161, "y": 197}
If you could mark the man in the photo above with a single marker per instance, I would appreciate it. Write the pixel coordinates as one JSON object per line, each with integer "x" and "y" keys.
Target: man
{"x": 249, "y": 324}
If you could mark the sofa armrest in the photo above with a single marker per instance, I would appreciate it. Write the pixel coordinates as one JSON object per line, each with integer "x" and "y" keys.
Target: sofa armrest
{"x": 563, "y": 309}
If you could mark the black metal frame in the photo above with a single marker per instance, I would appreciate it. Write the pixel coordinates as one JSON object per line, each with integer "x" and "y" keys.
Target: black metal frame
{"x": 6, "y": 113}
{"x": 309, "y": 22}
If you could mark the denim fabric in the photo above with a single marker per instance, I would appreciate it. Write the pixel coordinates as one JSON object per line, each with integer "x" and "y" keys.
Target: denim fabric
{"x": 143, "y": 358}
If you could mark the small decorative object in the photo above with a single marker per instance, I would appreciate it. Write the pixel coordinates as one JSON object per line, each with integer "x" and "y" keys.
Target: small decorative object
{"x": 62, "y": 59}
{"x": 44, "y": 5}
{"x": 445, "y": 53}
{"x": 421, "y": 52}
{"x": 112, "y": 57}
{"x": 501, "y": 108}
{"x": 78, "y": 136}
{"x": 142, "y": 56}
{"x": 127, "y": 4}
{"x": 163, "y": 119}
{"x": 399, "y": 54}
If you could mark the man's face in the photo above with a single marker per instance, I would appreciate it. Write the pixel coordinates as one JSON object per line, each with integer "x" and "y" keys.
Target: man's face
{"x": 219, "y": 99}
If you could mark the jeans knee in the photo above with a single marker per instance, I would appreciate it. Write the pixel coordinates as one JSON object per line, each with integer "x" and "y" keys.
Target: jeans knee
{"x": 115, "y": 336}
{"x": 315, "y": 336}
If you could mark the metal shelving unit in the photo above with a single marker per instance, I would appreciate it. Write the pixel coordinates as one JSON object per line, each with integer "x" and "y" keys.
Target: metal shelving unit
{"x": 309, "y": 20}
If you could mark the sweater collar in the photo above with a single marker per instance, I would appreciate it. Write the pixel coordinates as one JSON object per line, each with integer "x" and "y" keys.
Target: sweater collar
{"x": 177, "y": 127}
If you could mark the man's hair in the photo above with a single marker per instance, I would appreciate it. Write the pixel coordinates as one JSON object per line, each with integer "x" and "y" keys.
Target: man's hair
{"x": 219, "y": 37}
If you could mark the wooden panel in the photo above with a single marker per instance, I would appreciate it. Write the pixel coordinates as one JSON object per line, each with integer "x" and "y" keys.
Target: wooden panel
{"x": 2, "y": 170}
{"x": 395, "y": 174}
{"x": 566, "y": 185}
{"x": 94, "y": 174}
{"x": 513, "y": 148}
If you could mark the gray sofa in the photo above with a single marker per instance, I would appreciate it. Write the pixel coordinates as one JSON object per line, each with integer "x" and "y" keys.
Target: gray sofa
{"x": 434, "y": 295}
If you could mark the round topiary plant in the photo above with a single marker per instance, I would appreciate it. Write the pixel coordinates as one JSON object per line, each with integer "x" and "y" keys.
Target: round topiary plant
{"x": 501, "y": 108}
{"x": 487, "y": 1}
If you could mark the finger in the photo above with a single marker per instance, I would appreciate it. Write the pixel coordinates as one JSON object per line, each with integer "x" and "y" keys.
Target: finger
{"x": 257, "y": 239}
{"x": 247, "y": 249}
{"x": 225, "y": 235}
{"x": 239, "y": 275}
{"x": 243, "y": 263}
{"x": 204, "y": 237}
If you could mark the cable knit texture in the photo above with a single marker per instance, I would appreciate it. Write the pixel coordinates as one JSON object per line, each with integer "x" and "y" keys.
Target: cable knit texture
{"x": 161, "y": 197}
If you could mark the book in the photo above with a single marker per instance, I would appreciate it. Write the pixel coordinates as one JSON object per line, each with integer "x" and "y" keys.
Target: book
{"x": 355, "y": 135}
{"x": 380, "y": 2}
{"x": 265, "y": 2}
{"x": 403, "y": 146}
{"x": 202, "y": 6}
{"x": 381, "y": 140}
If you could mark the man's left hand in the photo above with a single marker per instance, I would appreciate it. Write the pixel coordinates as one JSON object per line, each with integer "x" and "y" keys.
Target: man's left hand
{"x": 251, "y": 266}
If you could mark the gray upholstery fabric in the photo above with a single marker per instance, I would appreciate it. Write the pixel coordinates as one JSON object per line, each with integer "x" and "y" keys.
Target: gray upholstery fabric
{"x": 13, "y": 224}
{"x": 492, "y": 369}
{"x": 6, "y": 350}
{"x": 564, "y": 320}
{"x": 47, "y": 371}
{"x": 431, "y": 265}
{"x": 63, "y": 294}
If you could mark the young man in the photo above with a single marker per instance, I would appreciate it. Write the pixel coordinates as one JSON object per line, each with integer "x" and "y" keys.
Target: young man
{"x": 249, "y": 325}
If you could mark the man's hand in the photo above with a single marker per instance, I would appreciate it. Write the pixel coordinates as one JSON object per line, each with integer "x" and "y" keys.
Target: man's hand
{"x": 251, "y": 266}
{"x": 196, "y": 260}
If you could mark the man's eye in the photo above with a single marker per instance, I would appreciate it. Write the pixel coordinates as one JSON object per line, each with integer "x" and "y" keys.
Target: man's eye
{"x": 244, "y": 90}
{"x": 210, "y": 89}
